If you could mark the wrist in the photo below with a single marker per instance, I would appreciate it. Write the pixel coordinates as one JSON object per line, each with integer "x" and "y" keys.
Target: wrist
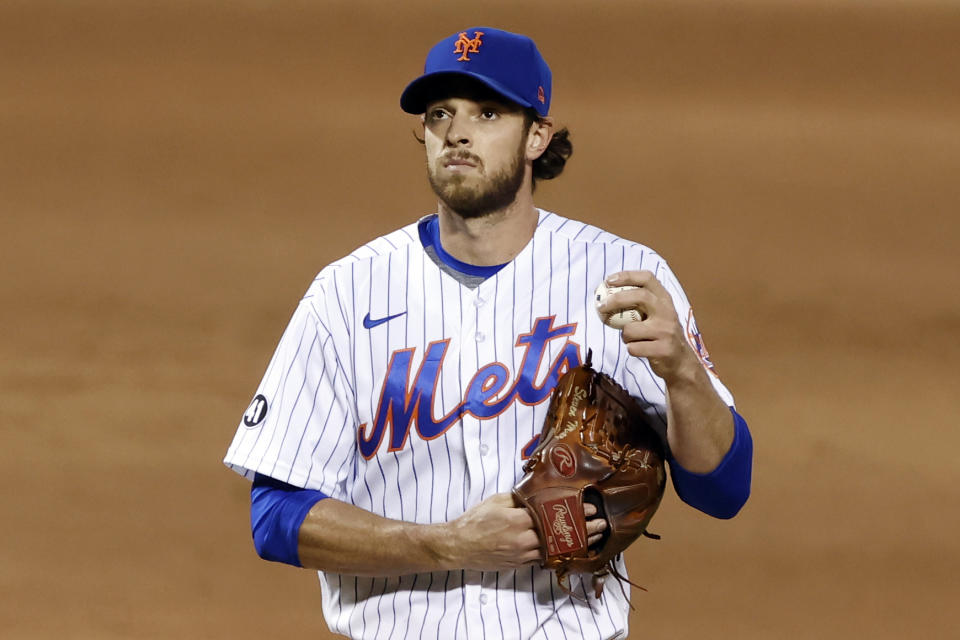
{"x": 438, "y": 543}
{"x": 688, "y": 372}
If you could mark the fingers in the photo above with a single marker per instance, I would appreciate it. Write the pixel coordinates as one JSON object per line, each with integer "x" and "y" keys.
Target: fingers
{"x": 507, "y": 501}
{"x": 522, "y": 518}
{"x": 596, "y": 526}
{"x": 528, "y": 549}
{"x": 522, "y": 545}
{"x": 659, "y": 329}
{"x": 643, "y": 300}
{"x": 518, "y": 516}
{"x": 528, "y": 541}
{"x": 595, "y": 529}
{"x": 649, "y": 332}
{"x": 647, "y": 296}
{"x": 644, "y": 279}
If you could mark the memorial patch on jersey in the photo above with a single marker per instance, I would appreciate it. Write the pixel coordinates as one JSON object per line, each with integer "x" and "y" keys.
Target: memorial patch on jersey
{"x": 256, "y": 412}
{"x": 696, "y": 341}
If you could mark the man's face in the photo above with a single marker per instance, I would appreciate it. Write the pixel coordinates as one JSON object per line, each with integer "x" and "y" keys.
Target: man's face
{"x": 476, "y": 153}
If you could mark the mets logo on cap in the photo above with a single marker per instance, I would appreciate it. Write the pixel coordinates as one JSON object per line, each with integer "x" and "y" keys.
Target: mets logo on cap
{"x": 465, "y": 45}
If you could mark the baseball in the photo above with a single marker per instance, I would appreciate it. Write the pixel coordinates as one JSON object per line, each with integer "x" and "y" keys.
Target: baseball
{"x": 616, "y": 319}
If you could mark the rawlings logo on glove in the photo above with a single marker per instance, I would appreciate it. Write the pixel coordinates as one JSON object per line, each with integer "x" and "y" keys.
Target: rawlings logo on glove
{"x": 597, "y": 447}
{"x": 562, "y": 458}
{"x": 562, "y": 537}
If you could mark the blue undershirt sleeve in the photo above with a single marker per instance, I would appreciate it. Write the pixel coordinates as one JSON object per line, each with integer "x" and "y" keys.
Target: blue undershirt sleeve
{"x": 277, "y": 510}
{"x": 722, "y": 492}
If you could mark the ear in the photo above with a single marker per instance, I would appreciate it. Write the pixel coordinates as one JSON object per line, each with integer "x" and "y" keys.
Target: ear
{"x": 539, "y": 137}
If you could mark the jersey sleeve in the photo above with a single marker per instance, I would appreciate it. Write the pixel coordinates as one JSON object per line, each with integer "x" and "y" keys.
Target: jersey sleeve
{"x": 690, "y": 329}
{"x": 638, "y": 376}
{"x": 299, "y": 427}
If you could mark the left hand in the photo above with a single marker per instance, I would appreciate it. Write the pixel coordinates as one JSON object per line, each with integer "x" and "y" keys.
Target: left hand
{"x": 659, "y": 336}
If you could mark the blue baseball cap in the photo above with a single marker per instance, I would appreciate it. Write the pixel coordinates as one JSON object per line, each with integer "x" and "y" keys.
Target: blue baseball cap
{"x": 508, "y": 63}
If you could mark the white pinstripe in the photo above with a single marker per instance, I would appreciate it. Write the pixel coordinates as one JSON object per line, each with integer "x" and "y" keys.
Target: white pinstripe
{"x": 326, "y": 380}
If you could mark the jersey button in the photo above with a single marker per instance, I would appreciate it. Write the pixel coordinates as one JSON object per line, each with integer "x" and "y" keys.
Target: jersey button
{"x": 483, "y": 598}
{"x": 481, "y": 336}
{"x": 484, "y": 449}
{"x": 478, "y": 302}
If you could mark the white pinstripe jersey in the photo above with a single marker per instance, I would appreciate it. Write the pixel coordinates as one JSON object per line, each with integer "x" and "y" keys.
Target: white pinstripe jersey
{"x": 430, "y": 411}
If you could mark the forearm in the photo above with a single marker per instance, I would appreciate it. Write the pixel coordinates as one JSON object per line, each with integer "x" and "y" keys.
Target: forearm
{"x": 699, "y": 423}
{"x": 307, "y": 528}
{"x": 341, "y": 538}
{"x": 723, "y": 491}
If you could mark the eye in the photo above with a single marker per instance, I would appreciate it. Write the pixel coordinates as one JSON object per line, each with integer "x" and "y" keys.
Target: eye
{"x": 436, "y": 114}
{"x": 489, "y": 114}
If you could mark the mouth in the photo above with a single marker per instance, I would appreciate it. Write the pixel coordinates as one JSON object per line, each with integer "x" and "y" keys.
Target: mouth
{"x": 459, "y": 162}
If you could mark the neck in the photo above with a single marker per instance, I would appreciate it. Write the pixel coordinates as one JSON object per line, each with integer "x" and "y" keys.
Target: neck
{"x": 492, "y": 239}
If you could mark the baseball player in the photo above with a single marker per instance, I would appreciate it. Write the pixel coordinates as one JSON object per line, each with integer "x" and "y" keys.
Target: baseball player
{"x": 395, "y": 415}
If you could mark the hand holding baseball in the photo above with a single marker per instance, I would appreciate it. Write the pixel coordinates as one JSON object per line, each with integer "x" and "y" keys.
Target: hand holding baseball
{"x": 636, "y": 303}
{"x": 615, "y": 317}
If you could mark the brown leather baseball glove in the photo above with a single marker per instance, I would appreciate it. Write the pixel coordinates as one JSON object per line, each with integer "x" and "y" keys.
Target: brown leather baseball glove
{"x": 596, "y": 447}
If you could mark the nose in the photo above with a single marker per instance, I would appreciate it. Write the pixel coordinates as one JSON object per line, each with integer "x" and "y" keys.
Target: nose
{"x": 458, "y": 133}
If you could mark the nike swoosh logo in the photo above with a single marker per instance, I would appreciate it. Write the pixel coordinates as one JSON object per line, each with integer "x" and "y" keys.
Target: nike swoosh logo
{"x": 370, "y": 324}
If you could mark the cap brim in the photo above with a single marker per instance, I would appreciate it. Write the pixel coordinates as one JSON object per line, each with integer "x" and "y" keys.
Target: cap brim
{"x": 427, "y": 87}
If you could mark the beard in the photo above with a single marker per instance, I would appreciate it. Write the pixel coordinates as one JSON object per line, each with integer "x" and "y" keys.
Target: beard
{"x": 494, "y": 194}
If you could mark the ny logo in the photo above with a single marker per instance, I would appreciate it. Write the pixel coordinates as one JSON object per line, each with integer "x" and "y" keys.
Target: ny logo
{"x": 465, "y": 45}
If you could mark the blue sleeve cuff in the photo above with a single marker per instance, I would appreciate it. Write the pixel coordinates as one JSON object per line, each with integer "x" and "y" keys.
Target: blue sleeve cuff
{"x": 277, "y": 510}
{"x": 722, "y": 492}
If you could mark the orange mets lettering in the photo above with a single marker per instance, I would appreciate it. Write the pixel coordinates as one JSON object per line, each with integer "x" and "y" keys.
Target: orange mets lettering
{"x": 540, "y": 96}
{"x": 465, "y": 45}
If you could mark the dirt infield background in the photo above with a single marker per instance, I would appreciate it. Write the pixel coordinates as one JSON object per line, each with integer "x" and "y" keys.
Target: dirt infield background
{"x": 173, "y": 174}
